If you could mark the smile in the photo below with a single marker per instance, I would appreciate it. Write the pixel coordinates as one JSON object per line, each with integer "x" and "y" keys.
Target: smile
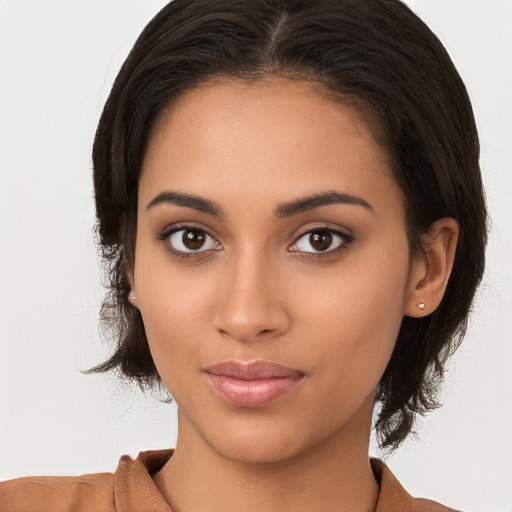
{"x": 252, "y": 385}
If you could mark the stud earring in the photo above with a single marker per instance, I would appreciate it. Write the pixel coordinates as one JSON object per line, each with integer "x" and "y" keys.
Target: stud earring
{"x": 421, "y": 306}
{"x": 132, "y": 297}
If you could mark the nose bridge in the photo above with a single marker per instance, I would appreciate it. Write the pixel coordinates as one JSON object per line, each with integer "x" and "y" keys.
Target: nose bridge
{"x": 250, "y": 304}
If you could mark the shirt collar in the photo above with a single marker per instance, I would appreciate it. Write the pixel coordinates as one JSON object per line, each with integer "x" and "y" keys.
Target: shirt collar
{"x": 134, "y": 488}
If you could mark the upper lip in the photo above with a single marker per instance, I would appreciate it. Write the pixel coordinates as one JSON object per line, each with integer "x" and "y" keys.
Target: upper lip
{"x": 254, "y": 370}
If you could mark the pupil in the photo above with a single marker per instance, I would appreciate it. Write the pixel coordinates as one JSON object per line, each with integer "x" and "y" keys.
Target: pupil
{"x": 320, "y": 240}
{"x": 193, "y": 239}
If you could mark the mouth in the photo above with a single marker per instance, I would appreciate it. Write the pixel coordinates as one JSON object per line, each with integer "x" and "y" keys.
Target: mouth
{"x": 252, "y": 385}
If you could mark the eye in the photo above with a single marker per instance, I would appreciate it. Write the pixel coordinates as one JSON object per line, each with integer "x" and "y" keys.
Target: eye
{"x": 191, "y": 240}
{"x": 320, "y": 241}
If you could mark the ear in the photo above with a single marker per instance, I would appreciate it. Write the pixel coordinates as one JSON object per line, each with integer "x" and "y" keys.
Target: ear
{"x": 429, "y": 274}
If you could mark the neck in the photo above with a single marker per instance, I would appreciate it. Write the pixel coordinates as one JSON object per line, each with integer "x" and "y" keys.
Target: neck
{"x": 333, "y": 475}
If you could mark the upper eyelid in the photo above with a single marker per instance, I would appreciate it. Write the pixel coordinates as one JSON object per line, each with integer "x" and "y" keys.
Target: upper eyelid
{"x": 347, "y": 240}
{"x": 172, "y": 229}
{"x": 344, "y": 232}
{"x": 183, "y": 225}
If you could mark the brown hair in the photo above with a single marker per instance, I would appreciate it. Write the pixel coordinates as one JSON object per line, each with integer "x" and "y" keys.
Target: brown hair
{"x": 375, "y": 53}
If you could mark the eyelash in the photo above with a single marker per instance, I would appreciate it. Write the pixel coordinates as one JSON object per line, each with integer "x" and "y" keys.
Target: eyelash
{"x": 184, "y": 255}
{"x": 346, "y": 241}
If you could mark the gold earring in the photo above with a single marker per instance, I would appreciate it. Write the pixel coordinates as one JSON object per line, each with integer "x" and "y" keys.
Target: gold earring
{"x": 421, "y": 306}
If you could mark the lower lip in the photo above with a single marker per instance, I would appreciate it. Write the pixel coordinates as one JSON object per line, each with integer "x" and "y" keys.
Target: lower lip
{"x": 252, "y": 393}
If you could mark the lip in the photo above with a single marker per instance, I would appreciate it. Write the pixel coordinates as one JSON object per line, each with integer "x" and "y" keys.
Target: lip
{"x": 255, "y": 384}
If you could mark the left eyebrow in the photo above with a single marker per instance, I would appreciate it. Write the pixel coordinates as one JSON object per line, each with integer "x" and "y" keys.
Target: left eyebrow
{"x": 306, "y": 203}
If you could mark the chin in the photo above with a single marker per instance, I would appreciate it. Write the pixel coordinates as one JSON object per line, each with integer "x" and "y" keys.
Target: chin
{"x": 257, "y": 451}
{"x": 264, "y": 442}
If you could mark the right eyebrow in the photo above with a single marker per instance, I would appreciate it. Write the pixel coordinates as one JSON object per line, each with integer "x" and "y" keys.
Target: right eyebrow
{"x": 188, "y": 200}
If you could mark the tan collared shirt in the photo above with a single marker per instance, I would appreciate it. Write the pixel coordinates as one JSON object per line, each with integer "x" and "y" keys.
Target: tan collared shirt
{"x": 131, "y": 489}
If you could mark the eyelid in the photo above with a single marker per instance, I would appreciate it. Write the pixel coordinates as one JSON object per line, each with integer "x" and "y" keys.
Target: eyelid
{"x": 343, "y": 233}
{"x": 192, "y": 225}
{"x": 347, "y": 239}
{"x": 167, "y": 232}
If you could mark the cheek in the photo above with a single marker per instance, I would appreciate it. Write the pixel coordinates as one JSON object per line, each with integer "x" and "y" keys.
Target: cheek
{"x": 354, "y": 313}
{"x": 171, "y": 305}
{"x": 172, "y": 310}
{"x": 172, "y": 332}
{"x": 167, "y": 295}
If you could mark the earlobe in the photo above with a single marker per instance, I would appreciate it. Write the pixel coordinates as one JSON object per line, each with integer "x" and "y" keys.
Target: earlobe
{"x": 132, "y": 296}
{"x": 430, "y": 274}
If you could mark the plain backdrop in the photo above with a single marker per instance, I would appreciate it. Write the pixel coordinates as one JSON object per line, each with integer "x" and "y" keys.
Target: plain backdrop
{"x": 58, "y": 59}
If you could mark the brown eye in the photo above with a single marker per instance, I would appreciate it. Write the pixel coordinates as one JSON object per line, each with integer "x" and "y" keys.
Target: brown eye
{"x": 321, "y": 240}
{"x": 191, "y": 240}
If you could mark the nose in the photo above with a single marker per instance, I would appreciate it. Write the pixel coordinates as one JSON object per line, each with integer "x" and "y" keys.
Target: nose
{"x": 251, "y": 301}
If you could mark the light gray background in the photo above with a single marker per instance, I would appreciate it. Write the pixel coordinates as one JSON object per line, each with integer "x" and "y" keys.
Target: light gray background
{"x": 58, "y": 59}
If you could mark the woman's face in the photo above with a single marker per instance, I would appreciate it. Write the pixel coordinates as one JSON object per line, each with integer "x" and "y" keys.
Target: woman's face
{"x": 271, "y": 267}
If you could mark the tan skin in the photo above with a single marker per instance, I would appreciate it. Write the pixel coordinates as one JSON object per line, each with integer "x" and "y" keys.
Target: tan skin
{"x": 322, "y": 290}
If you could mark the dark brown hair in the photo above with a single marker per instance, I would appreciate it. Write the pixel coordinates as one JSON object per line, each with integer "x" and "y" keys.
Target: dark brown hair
{"x": 373, "y": 53}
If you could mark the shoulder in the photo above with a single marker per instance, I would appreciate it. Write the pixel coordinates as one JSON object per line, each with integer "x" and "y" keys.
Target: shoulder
{"x": 129, "y": 489}
{"x": 424, "y": 505}
{"x": 394, "y": 498}
{"x": 92, "y": 492}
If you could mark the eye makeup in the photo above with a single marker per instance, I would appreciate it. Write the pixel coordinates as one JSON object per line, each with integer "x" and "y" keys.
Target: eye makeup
{"x": 187, "y": 240}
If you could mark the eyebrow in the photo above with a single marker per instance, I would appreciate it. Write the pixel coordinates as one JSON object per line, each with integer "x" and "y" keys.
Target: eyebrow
{"x": 187, "y": 200}
{"x": 306, "y": 203}
{"x": 284, "y": 210}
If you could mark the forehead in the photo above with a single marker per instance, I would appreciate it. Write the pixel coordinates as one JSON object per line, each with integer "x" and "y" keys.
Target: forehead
{"x": 271, "y": 138}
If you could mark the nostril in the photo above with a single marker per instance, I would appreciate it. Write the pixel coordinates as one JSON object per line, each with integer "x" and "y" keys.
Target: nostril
{"x": 246, "y": 321}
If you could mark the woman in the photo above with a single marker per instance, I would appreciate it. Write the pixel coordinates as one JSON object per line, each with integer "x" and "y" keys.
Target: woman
{"x": 290, "y": 197}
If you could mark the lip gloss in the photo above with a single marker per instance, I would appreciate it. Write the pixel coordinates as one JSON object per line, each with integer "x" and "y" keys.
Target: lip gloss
{"x": 254, "y": 384}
